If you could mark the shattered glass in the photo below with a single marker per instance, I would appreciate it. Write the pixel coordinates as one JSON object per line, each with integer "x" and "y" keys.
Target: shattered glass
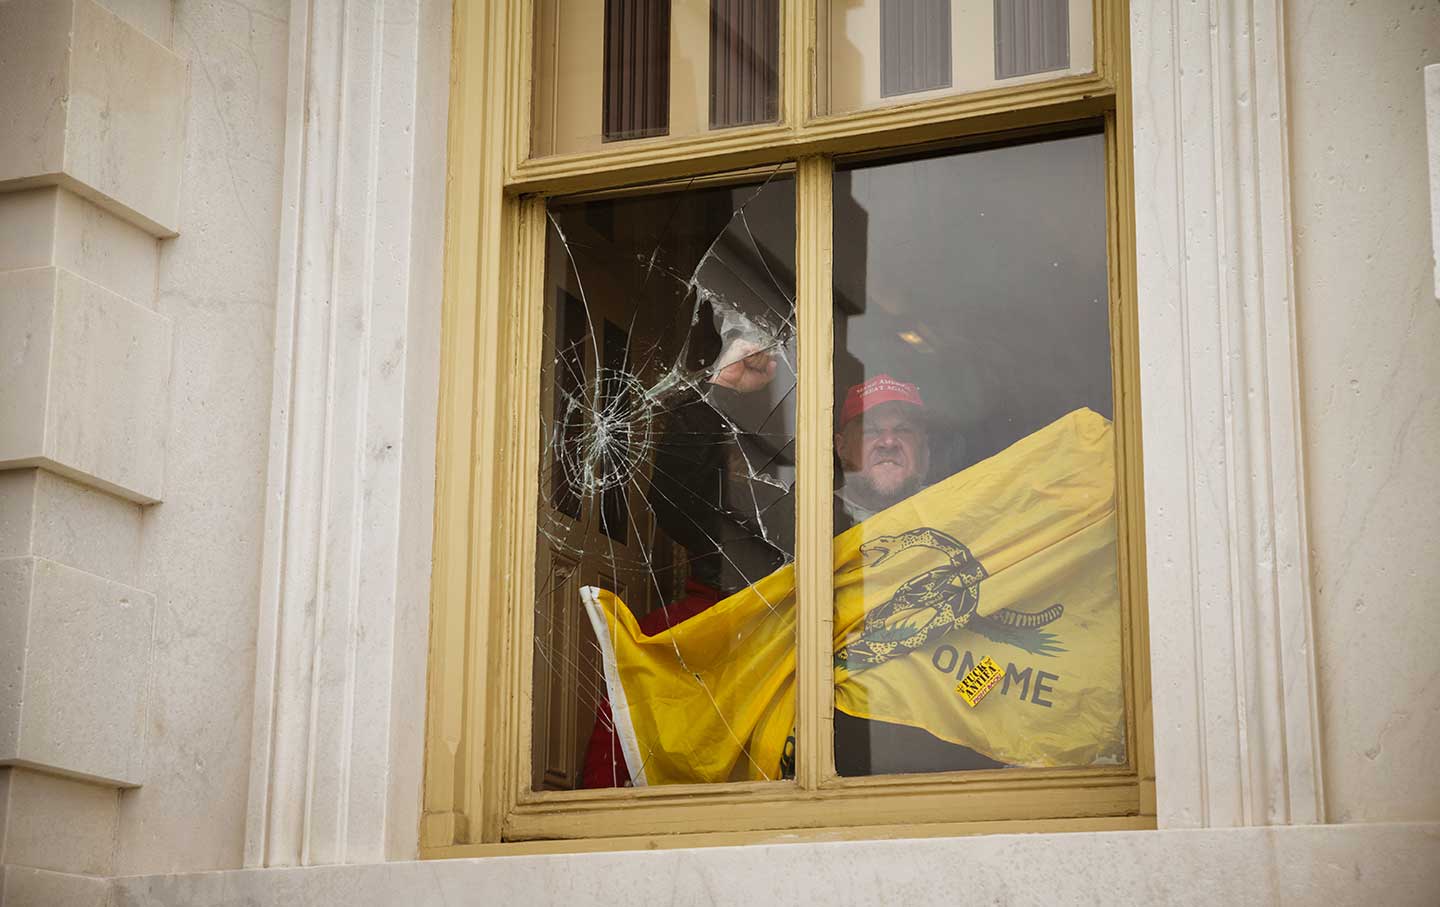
{"x": 667, "y": 462}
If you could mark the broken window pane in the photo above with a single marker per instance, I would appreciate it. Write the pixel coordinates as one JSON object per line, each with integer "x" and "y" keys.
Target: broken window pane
{"x": 877, "y": 52}
{"x": 975, "y": 513}
{"x": 616, "y": 70}
{"x": 663, "y": 617}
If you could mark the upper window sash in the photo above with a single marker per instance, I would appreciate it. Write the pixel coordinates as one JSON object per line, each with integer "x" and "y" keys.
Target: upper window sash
{"x": 599, "y": 99}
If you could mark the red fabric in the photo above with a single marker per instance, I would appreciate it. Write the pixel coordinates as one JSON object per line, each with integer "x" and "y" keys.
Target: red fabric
{"x": 604, "y": 760}
{"x": 880, "y": 389}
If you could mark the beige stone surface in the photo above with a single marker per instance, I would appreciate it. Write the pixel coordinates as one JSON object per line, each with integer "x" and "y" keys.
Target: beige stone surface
{"x": 1369, "y": 329}
{"x": 16, "y": 579}
{"x": 77, "y": 653}
{"x": 27, "y": 324}
{"x": 156, "y": 18}
{"x": 350, "y": 479}
{"x": 50, "y": 226}
{"x": 87, "y": 529}
{"x": 109, "y": 387}
{"x": 1394, "y": 865}
{"x": 1432, "y": 129}
{"x": 216, "y": 284}
{"x": 101, "y": 108}
{"x": 35, "y": 68}
{"x": 84, "y": 382}
{"x": 27, "y": 228}
{"x": 105, "y": 249}
{"x": 21, "y": 886}
{"x": 5, "y": 774}
{"x": 48, "y": 515}
{"x": 57, "y": 823}
{"x": 127, "y": 115}
{"x": 17, "y": 511}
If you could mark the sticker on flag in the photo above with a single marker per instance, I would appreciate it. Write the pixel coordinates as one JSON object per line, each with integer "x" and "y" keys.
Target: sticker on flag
{"x": 981, "y": 680}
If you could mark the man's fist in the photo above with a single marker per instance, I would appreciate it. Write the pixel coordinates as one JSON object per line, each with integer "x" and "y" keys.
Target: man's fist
{"x": 750, "y": 367}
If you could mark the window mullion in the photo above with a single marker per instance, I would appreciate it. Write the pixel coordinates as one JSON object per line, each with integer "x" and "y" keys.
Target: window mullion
{"x": 815, "y": 677}
{"x": 797, "y": 37}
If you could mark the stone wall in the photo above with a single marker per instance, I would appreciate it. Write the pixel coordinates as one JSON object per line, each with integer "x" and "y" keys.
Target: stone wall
{"x": 201, "y": 544}
{"x": 140, "y": 183}
{"x": 1369, "y": 331}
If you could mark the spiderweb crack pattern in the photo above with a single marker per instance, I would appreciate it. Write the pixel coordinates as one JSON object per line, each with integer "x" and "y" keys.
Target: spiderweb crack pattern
{"x": 660, "y": 470}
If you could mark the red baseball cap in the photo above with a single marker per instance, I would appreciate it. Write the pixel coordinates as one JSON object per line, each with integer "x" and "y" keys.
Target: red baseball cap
{"x": 880, "y": 389}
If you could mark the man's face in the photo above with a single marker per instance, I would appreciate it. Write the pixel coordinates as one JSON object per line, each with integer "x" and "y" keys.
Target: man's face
{"x": 886, "y": 449}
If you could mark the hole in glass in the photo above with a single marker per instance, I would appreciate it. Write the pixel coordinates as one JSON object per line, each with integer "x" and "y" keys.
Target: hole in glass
{"x": 669, "y": 425}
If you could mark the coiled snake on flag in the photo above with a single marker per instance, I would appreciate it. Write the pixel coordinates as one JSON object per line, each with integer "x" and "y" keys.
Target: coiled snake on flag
{"x": 938, "y": 600}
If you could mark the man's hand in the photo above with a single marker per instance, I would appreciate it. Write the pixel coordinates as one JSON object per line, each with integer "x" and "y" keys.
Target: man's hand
{"x": 750, "y": 368}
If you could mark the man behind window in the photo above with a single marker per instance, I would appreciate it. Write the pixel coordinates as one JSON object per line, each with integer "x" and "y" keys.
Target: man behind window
{"x": 884, "y": 451}
{"x": 884, "y": 448}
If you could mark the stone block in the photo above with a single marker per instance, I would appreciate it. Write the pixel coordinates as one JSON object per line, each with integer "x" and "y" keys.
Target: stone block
{"x": 1432, "y": 133}
{"x": 84, "y": 382}
{"x": 49, "y": 226}
{"x": 64, "y": 521}
{"x": 92, "y": 104}
{"x": 1396, "y": 865}
{"x": 21, "y": 886}
{"x": 76, "y": 651}
{"x": 61, "y": 824}
{"x": 154, "y": 17}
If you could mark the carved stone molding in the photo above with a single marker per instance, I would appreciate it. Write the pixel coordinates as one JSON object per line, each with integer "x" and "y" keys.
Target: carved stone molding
{"x": 339, "y": 694}
{"x": 1236, "y": 731}
{"x": 1432, "y": 132}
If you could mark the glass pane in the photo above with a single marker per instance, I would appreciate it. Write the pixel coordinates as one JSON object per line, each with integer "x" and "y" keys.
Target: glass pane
{"x": 615, "y": 70}
{"x": 664, "y": 614}
{"x": 878, "y": 52}
{"x": 975, "y": 500}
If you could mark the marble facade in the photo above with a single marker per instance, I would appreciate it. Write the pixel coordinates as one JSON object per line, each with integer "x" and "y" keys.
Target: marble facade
{"x": 253, "y": 255}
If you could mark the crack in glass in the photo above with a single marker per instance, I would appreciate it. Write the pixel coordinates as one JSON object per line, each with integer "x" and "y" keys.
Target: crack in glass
{"x": 668, "y": 427}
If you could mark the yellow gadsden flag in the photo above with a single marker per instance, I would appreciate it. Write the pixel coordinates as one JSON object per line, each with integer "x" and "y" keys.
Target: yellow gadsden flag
{"x": 1013, "y": 558}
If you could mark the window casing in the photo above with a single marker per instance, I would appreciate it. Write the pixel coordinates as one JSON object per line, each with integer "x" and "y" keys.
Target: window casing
{"x": 478, "y": 731}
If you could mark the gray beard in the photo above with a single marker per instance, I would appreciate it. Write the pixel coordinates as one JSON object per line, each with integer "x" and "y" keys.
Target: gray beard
{"x": 865, "y": 499}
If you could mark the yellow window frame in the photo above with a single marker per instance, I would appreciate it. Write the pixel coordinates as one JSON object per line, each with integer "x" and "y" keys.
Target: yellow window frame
{"x": 476, "y": 796}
